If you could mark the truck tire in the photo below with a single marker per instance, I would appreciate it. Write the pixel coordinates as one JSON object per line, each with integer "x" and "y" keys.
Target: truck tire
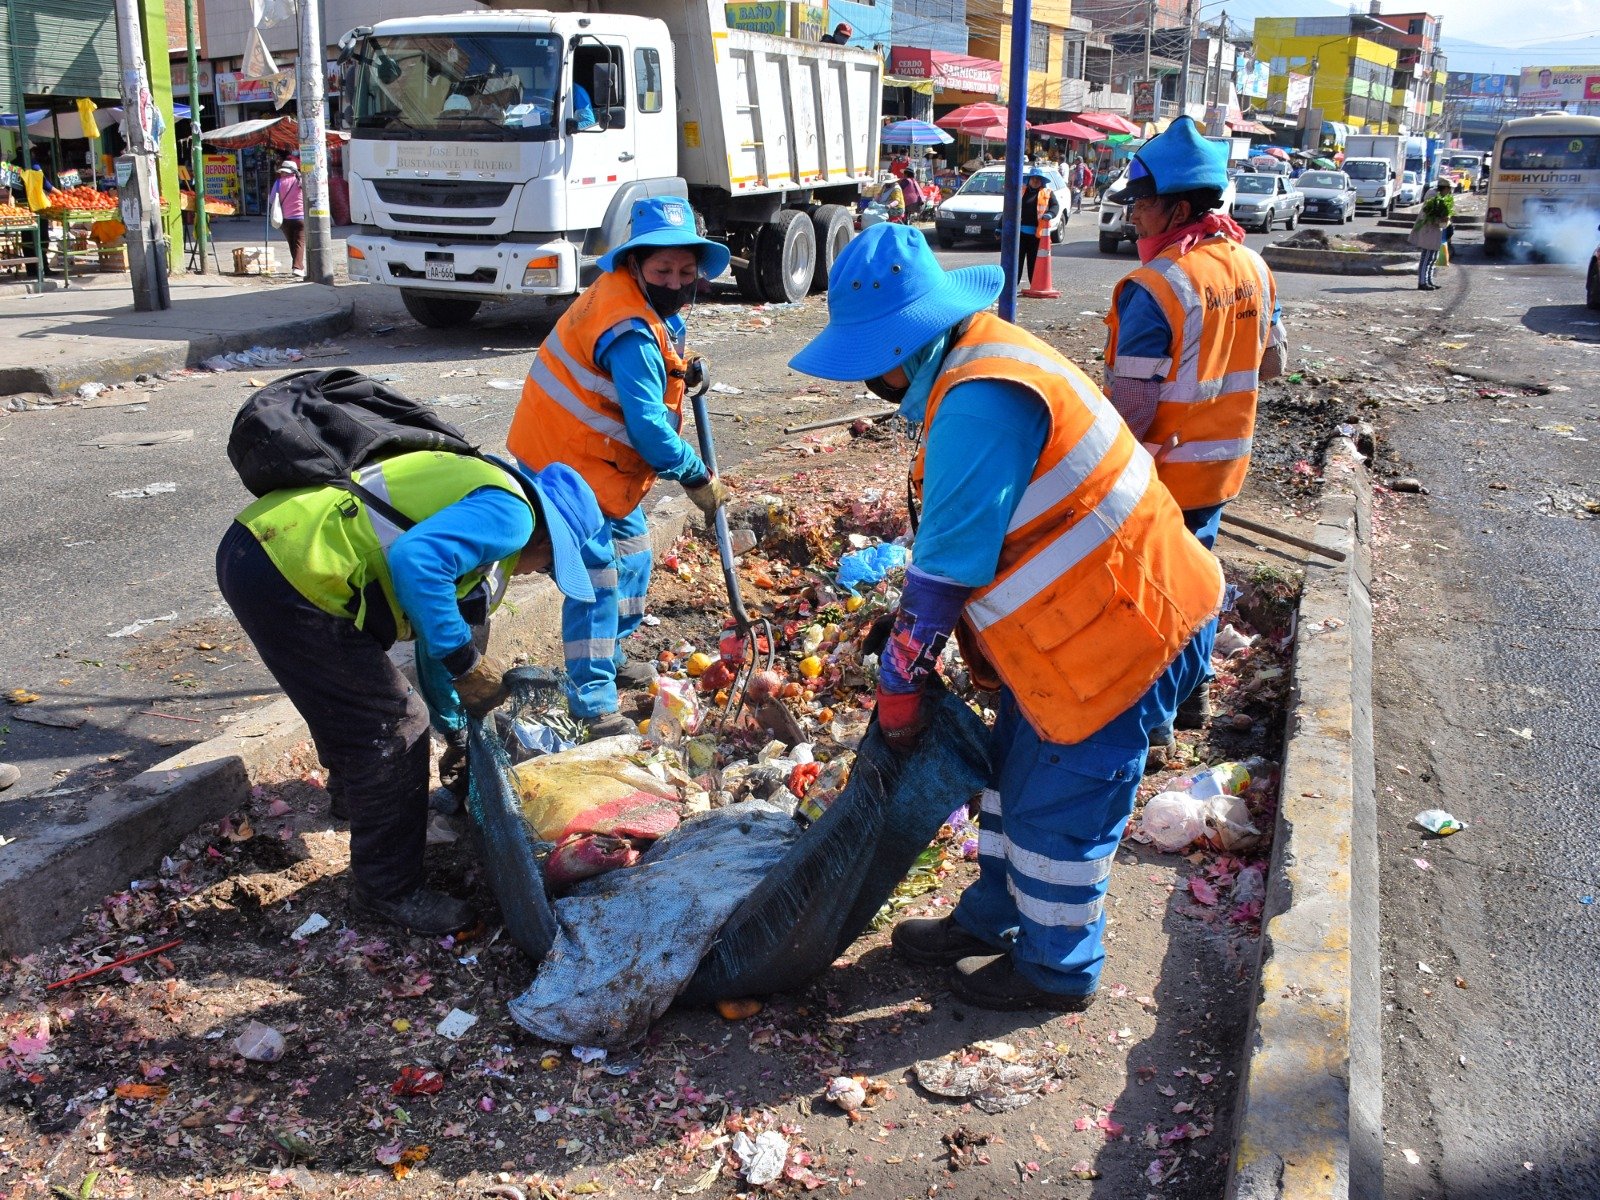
{"x": 1109, "y": 243}
{"x": 834, "y": 228}
{"x": 439, "y": 312}
{"x": 1494, "y": 247}
{"x": 786, "y": 257}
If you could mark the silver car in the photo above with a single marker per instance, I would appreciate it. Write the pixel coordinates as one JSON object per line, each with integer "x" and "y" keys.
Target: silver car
{"x": 1264, "y": 200}
{"x": 1329, "y": 196}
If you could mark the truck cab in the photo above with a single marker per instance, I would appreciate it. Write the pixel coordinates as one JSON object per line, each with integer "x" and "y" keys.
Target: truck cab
{"x": 1375, "y": 182}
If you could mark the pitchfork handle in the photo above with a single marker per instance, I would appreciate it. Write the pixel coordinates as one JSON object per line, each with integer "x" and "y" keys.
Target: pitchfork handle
{"x": 708, "y": 452}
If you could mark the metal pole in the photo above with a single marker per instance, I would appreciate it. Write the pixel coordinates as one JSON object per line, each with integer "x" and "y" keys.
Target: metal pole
{"x": 1222, "y": 30}
{"x": 41, "y": 230}
{"x": 1149, "y": 24}
{"x": 197, "y": 179}
{"x": 1188, "y": 48}
{"x": 141, "y": 203}
{"x": 314, "y": 146}
{"x": 1016, "y": 139}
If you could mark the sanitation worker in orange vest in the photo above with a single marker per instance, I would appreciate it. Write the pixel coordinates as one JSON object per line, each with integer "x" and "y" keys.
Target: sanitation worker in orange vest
{"x": 1192, "y": 333}
{"x": 1047, "y": 546}
{"x": 1039, "y": 208}
{"x": 605, "y": 395}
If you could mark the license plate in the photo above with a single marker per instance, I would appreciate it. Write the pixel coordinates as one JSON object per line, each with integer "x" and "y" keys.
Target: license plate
{"x": 445, "y": 271}
{"x": 974, "y": 228}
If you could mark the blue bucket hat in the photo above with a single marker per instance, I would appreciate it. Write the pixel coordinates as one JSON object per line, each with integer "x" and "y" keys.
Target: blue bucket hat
{"x": 667, "y": 221}
{"x": 1038, "y": 173}
{"x": 565, "y": 503}
{"x": 887, "y": 298}
{"x": 1177, "y": 160}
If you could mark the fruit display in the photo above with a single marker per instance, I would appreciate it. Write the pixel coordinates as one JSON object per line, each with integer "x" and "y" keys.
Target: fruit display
{"x": 214, "y": 207}
{"x": 82, "y": 199}
{"x": 15, "y": 214}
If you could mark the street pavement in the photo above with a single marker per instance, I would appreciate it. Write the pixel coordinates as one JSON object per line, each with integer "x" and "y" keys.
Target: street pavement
{"x": 1485, "y": 624}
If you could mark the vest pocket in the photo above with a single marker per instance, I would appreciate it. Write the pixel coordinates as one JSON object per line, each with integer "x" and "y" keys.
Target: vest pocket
{"x": 1095, "y": 636}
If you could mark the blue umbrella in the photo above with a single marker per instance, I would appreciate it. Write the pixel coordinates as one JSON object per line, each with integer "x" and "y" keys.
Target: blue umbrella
{"x": 914, "y": 133}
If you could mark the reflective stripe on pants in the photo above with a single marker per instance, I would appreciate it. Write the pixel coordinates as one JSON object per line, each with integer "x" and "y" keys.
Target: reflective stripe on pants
{"x": 592, "y": 634}
{"x": 1044, "y": 858}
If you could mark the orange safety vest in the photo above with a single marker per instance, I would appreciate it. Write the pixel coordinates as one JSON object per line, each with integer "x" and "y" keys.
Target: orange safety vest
{"x": 1218, "y": 300}
{"x": 569, "y": 411}
{"x": 1099, "y": 585}
{"x": 1041, "y": 206}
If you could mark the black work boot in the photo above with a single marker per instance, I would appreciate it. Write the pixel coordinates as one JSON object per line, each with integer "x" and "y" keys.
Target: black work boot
{"x": 635, "y": 675}
{"x": 936, "y": 941}
{"x": 608, "y": 725}
{"x": 991, "y": 981}
{"x": 421, "y": 910}
{"x": 1162, "y": 746}
{"x": 1196, "y": 712}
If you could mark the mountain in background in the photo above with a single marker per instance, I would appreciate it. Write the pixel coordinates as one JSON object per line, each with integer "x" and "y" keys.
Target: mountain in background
{"x": 1463, "y": 54}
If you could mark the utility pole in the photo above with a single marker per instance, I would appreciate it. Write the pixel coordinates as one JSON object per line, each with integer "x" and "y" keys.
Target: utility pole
{"x": 1149, "y": 25}
{"x": 314, "y": 146}
{"x": 41, "y": 236}
{"x": 1222, "y": 32}
{"x": 1016, "y": 118}
{"x": 141, "y": 202}
{"x": 1188, "y": 47}
{"x": 197, "y": 179}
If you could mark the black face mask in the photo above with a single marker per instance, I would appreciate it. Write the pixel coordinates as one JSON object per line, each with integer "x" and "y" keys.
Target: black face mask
{"x": 667, "y": 301}
{"x": 884, "y": 390}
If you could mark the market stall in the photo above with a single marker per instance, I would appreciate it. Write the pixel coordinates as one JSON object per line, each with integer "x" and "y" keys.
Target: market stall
{"x": 260, "y": 144}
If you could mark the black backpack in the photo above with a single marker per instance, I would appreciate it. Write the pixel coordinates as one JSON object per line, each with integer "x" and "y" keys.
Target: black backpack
{"x": 318, "y": 427}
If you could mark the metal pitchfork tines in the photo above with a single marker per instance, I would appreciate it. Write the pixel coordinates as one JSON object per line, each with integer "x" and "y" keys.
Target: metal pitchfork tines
{"x": 759, "y": 649}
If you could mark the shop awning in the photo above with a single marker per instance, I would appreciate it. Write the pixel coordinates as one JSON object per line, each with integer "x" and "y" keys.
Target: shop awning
{"x": 1249, "y": 127}
{"x": 281, "y": 133}
{"x": 953, "y": 72}
{"x": 1069, "y": 129}
{"x": 1110, "y": 122}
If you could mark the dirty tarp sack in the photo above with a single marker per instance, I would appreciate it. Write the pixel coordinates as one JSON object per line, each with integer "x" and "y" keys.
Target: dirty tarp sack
{"x": 739, "y": 901}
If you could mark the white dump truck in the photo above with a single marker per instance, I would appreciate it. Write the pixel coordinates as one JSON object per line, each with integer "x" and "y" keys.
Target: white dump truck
{"x": 496, "y": 154}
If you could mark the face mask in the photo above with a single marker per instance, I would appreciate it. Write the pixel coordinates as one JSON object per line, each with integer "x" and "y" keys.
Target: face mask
{"x": 667, "y": 300}
{"x": 886, "y": 391}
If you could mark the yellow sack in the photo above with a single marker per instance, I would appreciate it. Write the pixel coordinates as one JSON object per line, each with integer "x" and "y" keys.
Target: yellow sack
{"x": 33, "y": 185}
{"x": 1444, "y": 254}
{"x": 556, "y": 789}
{"x": 86, "y": 118}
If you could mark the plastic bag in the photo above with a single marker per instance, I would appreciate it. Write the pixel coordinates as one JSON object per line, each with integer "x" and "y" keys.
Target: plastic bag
{"x": 556, "y": 790}
{"x": 870, "y": 565}
{"x": 1173, "y": 820}
{"x": 676, "y": 711}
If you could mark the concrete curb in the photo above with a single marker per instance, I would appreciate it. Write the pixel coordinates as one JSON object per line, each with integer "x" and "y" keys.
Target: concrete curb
{"x": 1338, "y": 262}
{"x": 1309, "y": 1119}
{"x": 59, "y": 379}
{"x": 50, "y": 878}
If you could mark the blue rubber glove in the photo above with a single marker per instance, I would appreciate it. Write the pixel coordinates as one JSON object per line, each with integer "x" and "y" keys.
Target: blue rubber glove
{"x": 929, "y": 609}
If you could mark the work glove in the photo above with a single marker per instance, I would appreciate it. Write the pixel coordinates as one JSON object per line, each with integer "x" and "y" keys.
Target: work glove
{"x": 901, "y": 720}
{"x": 909, "y": 650}
{"x": 709, "y": 496}
{"x": 453, "y": 764}
{"x": 482, "y": 689}
{"x": 694, "y": 373}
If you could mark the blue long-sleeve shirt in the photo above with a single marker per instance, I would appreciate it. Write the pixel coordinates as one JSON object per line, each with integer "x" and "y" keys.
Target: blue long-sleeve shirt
{"x": 632, "y": 359}
{"x": 425, "y": 564}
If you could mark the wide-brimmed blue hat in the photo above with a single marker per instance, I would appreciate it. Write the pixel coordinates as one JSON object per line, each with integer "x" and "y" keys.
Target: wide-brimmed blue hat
{"x": 887, "y": 298}
{"x": 1179, "y": 159}
{"x": 667, "y": 221}
{"x": 565, "y": 504}
{"x": 1038, "y": 173}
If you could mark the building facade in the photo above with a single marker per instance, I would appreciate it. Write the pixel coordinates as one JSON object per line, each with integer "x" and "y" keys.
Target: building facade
{"x": 1330, "y": 69}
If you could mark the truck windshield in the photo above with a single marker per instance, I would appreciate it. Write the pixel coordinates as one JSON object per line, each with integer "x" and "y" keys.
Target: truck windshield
{"x": 1464, "y": 162}
{"x": 1357, "y": 169}
{"x": 463, "y": 87}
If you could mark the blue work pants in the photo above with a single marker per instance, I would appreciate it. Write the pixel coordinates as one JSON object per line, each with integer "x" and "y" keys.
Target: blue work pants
{"x": 1204, "y": 523}
{"x": 618, "y": 559}
{"x": 1049, "y": 828}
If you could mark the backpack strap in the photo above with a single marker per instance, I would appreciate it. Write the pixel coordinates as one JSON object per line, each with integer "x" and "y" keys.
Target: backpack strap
{"x": 375, "y": 502}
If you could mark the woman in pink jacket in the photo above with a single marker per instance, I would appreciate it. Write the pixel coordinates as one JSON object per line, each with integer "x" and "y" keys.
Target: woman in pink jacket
{"x": 286, "y": 190}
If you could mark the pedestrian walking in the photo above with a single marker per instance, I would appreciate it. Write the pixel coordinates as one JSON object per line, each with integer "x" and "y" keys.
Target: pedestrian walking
{"x": 324, "y": 582}
{"x": 605, "y": 395}
{"x": 1079, "y": 180}
{"x": 1191, "y": 334}
{"x": 287, "y": 207}
{"x": 1039, "y": 208}
{"x": 1046, "y": 545}
{"x": 1430, "y": 234}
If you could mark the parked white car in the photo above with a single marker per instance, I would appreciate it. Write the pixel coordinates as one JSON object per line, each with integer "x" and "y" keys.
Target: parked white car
{"x": 1410, "y": 190}
{"x": 1115, "y": 228}
{"x": 974, "y": 211}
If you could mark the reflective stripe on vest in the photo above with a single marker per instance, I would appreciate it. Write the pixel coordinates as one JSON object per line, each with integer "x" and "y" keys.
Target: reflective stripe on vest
{"x": 1216, "y": 451}
{"x": 541, "y": 374}
{"x": 373, "y": 480}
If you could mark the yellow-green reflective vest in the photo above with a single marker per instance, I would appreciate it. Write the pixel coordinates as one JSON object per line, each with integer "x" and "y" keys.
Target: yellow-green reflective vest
{"x": 333, "y": 549}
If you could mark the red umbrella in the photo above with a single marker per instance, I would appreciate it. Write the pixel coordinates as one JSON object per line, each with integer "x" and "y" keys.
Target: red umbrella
{"x": 1069, "y": 129}
{"x": 986, "y": 133}
{"x": 1109, "y": 122}
{"x": 1278, "y": 152}
{"x": 970, "y": 116}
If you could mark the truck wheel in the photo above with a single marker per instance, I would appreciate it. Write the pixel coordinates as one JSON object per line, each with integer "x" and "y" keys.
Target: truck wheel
{"x": 1109, "y": 243}
{"x": 439, "y": 312}
{"x": 834, "y": 228}
{"x": 1494, "y": 247}
{"x": 786, "y": 257}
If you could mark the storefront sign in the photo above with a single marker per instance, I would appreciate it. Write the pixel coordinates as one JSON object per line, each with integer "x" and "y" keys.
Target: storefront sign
{"x": 221, "y": 173}
{"x": 180, "y": 77}
{"x": 780, "y": 17}
{"x": 953, "y": 72}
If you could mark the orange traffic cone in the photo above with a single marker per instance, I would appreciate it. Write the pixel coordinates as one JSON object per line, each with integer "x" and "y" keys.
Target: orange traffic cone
{"x": 1043, "y": 288}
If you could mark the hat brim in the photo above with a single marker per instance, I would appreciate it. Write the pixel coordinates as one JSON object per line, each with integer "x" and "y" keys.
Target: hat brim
{"x": 713, "y": 256}
{"x": 865, "y": 349}
{"x": 567, "y": 567}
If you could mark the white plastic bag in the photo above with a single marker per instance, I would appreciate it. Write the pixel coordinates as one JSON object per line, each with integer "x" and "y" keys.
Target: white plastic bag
{"x": 275, "y": 213}
{"x": 1172, "y": 820}
{"x": 676, "y": 711}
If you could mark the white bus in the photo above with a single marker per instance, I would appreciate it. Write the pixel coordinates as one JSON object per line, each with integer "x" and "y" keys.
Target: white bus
{"x": 1545, "y": 189}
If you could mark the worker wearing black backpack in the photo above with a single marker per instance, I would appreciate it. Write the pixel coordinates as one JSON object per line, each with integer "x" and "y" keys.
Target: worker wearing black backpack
{"x": 325, "y": 578}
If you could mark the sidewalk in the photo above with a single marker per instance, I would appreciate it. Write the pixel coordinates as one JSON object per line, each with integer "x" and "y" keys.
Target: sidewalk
{"x": 90, "y": 332}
